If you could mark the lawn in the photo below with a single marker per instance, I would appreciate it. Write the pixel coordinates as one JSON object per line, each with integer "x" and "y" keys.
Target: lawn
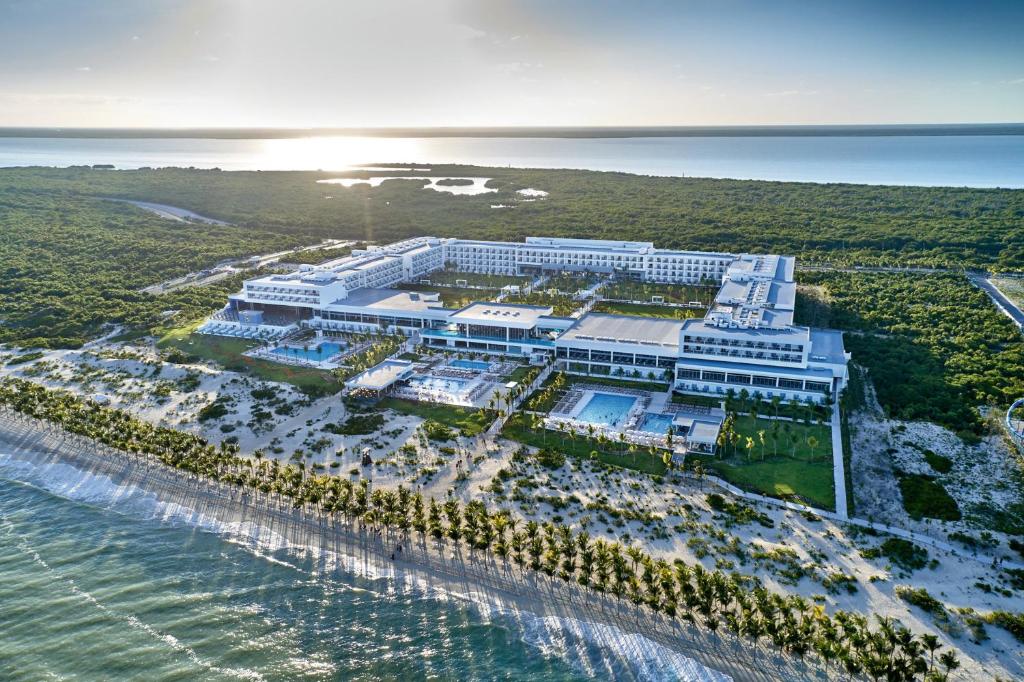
{"x": 670, "y": 293}
{"x": 469, "y": 421}
{"x": 582, "y": 447}
{"x": 524, "y": 374}
{"x": 796, "y": 472}
{"x": 227, "y": 352}
{"x": 648, "y": 310}
{"x": 562, "y": 306}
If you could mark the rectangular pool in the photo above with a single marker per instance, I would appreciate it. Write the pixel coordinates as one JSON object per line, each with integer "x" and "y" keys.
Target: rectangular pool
{"x": 606, "y": 409}
{"x": 470, "y": 364}
{"x": 655, "y": 423}
{"x": 316, "y": 354}
{"x": 446, "y": 384}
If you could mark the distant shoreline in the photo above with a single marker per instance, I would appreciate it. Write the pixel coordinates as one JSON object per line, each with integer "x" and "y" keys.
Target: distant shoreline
{"x": 879, "y": 130}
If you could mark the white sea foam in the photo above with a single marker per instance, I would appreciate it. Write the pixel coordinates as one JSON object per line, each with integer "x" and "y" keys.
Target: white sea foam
{"x": 596, "y": 649}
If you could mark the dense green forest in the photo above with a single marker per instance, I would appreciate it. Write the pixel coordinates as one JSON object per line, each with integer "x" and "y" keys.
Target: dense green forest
{"x": 949, "y": 227}
{"x": 72, "y": 262}
{"x": 934, "y": 345}
{"x": 69, "y": 264}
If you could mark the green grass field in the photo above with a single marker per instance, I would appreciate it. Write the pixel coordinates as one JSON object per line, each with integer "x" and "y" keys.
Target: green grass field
{"x": 645, "y": 310}
{"x": 227, "y": 352}
{"x": 582, "y": 447}
{"x": 469, "y": 421}
{"x": 796, "y": 472}
{"x": 671, "y": 293}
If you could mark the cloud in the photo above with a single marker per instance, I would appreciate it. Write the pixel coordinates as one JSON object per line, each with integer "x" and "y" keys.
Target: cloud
{"x": 1015, "y": 81}
{"x": 83, "y": 68}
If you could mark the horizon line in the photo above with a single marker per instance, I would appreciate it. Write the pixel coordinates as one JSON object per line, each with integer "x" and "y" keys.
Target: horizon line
{"x": 754, "y": 130}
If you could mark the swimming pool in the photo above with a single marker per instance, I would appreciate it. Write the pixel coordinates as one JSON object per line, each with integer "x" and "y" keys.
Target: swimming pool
{"x": 316, "y": 354}
{"x": 606, "y": 409}
{"x": 655, "y": 423}
{"x": 432, "y": 383}
{"x": 470, "y": 364}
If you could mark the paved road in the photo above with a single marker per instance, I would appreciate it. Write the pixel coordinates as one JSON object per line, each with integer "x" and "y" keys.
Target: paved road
{"x": 1002, "y": 302}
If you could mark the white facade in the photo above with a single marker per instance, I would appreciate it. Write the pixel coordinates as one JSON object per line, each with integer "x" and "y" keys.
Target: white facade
{"x": 746, "y": 341}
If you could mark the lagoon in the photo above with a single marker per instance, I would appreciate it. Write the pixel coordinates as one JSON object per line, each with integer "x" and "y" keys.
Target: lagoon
{"x": 983, "y": 160}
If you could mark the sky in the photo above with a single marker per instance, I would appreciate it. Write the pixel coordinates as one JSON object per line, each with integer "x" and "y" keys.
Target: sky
{"x": 380, "y": 63}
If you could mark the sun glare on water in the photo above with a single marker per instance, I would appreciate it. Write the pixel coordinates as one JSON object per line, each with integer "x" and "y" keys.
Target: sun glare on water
{"x": 335, "y": 153}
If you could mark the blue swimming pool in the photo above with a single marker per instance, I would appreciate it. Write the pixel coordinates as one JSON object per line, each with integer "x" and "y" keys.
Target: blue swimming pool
{"x": 606, "y": 409}
{"x": 447, "y": 384}
{"x": 655, "y": 423}
{"x": 315, "y": 354}
{"x": 471, "y": 364}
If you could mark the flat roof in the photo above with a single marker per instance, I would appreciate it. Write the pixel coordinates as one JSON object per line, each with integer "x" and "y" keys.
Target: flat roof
{"x": 700, "y": 326}
{"x": 507, "y": 314}
{"x": 388, "y": 299}
{"x": 827, "y": 346}
{"x": 608, "y": 328}
{"x": 382, "y": 375}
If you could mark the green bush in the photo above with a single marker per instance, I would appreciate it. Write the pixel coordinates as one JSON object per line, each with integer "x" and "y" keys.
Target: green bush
{"x": 940, "y": 464}
{"x": 904, "y": 553}
{"x": 550, "y": 458}
{"x": 923, "y": 496}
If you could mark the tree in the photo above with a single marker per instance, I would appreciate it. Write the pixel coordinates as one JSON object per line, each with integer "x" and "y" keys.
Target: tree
{"x": 812, "y": 443}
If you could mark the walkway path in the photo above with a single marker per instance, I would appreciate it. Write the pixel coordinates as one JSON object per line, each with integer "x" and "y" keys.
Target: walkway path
{"x": 838, "y": 465}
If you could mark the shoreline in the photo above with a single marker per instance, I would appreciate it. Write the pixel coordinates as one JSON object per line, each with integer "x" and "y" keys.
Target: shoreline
{"x": 487, "y": 582}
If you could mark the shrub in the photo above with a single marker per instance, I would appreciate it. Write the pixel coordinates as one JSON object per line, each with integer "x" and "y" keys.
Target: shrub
{"x": 904, "y": 553}
{"x": 923, "y": 496}
{"x": 1011, "y": 622}
{"x": 938, "y": 462}
{"x": 214, "y": 410}
{"x": 356, "y": 425}
{"x": 551, "y": 459}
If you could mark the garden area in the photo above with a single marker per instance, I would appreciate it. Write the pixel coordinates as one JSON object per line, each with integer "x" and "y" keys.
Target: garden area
{"x": 451, "y": 297}
{"x": 456, "y": 278}
{"x": 628, "y": 290}
{"x": 667, "y": 312}
{"x": 776, "y": 458}
{"x": 523, "y": 428}
{"x": 562, "y": 306}
{"x": 227, "y": 352}
{"x": 468, "y": 421}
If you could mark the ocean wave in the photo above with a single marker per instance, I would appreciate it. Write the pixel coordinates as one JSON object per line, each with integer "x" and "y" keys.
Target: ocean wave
{"x": 596, "y": 649}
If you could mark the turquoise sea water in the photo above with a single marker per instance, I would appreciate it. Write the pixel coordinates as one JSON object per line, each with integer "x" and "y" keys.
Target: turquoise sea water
{"x": 956, "y": 160}
{"x": 101, "y": 582}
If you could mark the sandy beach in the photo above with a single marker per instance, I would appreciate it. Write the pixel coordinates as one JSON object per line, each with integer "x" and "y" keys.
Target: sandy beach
{"x": 445, "y": 570}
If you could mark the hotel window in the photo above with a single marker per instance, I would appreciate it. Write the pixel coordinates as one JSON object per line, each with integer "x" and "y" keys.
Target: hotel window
{"x": 714, "y": 376}
{"x": 817, "y": 386}
{"x": 688, "y": 373}
{"x": 791, "y": 383}
{"x": 739, "y": 378}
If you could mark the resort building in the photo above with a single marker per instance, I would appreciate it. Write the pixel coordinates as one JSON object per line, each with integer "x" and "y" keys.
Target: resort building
{"x": 746, "y": 340}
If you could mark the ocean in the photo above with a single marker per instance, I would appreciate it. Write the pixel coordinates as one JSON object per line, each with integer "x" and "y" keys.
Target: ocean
{"x": 101, "y": 581}
{"x": 975, "y": 160}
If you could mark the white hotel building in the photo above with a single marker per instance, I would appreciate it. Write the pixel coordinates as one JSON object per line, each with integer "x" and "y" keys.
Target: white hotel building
{"x": 747, "y": 340}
